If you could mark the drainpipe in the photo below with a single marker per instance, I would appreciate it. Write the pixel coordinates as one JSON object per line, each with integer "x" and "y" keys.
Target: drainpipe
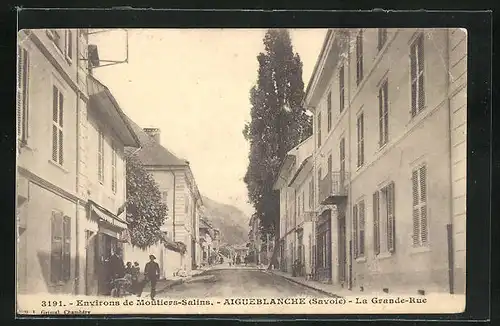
{"x": 349, "y": 178}
{"x": 449, "y": 226}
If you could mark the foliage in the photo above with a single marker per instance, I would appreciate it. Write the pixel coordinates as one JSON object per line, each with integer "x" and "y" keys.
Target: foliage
{"x": 278, "y": 123}
{"x": 146, "y": 211}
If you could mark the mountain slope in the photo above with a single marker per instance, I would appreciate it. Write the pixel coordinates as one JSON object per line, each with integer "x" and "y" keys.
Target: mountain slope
{"x": 232, "y": 222}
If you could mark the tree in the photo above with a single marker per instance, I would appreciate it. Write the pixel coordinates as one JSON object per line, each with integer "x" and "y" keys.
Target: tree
{"x": 146, "y": 211}
{"x": 278, "y": 123}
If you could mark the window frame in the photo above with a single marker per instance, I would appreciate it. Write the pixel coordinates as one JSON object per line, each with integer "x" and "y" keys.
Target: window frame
{"x": 319, "y": 129}
{"x": 359, "y": 228}
{"x": 342, "y": 87}
{"x": 100, "y": 155}
{"x": 417, "y": 95}
{"x": 359, "y": 58}
{"x": 60, "y": 270}
{"x": 57, "y": 125}
{"x": 360, "y": 140}
{"x": 52, "y": 32}
{"x": 383, "y": 97}
{"x": 114, "y": 168}
{"x": 68, "y": 45}
{"x": 384, "y": 220}
{"x": 382, "y": 38}
{"x": 329, "y": 110}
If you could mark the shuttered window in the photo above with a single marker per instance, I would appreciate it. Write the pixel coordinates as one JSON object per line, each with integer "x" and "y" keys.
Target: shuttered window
{"x": 417, "y": 75}
{"x": 420, "y": 223}
{"x": 383, "y": 104}
{"x": 342, "y": 161}
{"x": 60, "y": 259}
{"x": 330, "y": 164}
{"x": 359, "y": 58}
{"x": 329, "y": 110}
{"x": 361, "y": 139}
{"x": 100, "y": 157}
{"x": 23, "y": 64}
{"x": 55, "y": 36}
{"x": 391, "y": 220}
{"x": 114, "y": 176}
{"x": 341, "y": 88}
{"x": 57, "y": 126}
{"x": 382, "y": 38}
{"x": 359, "y": 229}
{"x": 319, "y": 129}
{"x": 376, "y": 223}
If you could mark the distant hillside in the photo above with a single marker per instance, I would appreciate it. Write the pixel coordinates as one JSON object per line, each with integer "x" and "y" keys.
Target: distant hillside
{"x": 232, "y": 222}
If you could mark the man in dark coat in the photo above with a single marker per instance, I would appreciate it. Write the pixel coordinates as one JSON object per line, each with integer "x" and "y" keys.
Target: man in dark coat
{"x": 151, "y": 274}
{"x": 116, "y": 264}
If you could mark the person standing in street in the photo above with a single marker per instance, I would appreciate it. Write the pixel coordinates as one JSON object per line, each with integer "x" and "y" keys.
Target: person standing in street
{"x": 151, "y": 274}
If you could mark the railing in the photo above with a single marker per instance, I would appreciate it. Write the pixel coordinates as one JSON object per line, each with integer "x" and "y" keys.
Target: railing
{"x": 333, "y": 185}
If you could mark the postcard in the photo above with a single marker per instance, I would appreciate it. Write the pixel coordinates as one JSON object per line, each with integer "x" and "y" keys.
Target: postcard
{"x": 241, "y": 171}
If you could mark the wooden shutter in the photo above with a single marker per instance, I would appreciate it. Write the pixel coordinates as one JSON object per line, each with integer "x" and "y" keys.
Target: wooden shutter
{"x": 380, "y": 116}
{"x": 376, "y": 223}
{"x": 319, "y": 129}
{"x": 386, "y": 111}
{"x": 56, "y": 249}
{"x": 391, "y": 226}
{"x": 423, "y": 206}
{"x": 61, "y": 115}
{"x": 416, "y": 211}
{"x": 362, "y": 145}
{"x": 355, "y": 230}
{"x": 329, "y": 164}
{"x": 66, "y": 254}
{"x": 55, "y": 119}
{"x": 361, "y": 219}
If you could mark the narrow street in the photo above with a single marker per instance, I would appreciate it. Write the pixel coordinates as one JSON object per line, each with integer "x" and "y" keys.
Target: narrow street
{"x": 238, "y": 282}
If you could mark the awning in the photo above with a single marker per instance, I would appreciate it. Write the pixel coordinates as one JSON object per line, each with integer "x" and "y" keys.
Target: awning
{"x": 106, "y": 217}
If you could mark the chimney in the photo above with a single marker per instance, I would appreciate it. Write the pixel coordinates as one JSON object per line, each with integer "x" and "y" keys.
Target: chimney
{"x": 153, "y": 133}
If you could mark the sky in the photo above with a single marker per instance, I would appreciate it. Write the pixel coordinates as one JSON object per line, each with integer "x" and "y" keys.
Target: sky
{"x": 194, "y": 85}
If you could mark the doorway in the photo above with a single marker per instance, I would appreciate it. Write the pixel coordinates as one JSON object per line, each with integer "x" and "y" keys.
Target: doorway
{"x": 342, "y": 249}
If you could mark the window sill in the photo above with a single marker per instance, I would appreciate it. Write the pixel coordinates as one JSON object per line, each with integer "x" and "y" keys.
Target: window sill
{"x": 421, "y": 249}
{"x": 384, "y": 255}
{"x": 59, "y": 166}
{"x": 421, "y": 114}
{"x": 361, "y": 260}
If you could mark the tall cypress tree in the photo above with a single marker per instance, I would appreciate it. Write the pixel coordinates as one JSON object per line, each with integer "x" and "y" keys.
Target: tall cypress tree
{"x": 278, "y": 123}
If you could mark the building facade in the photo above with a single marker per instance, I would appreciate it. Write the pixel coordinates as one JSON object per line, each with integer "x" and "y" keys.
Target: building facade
{"x": 389, "y": 111}
{"x": 180, "y": 192}
{"x": 70, "y": 165}
{"x": 295, "y": 184}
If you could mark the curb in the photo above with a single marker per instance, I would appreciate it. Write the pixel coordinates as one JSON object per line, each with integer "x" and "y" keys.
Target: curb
{"x": 305, "y": 285}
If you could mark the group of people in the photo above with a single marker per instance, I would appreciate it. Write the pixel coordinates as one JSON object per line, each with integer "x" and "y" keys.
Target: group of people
{"x": 131, "y": 274}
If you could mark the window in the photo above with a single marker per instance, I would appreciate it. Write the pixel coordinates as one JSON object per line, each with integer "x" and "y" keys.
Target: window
{"x": 329, "y": 164}
{"x": 329, "y": 110}
{"x": 164, "y": 196}
{"x": 57, "y": 125}
{"x": 358, "y": 216}
{"x": 359, "y": 58}
{"x": 361, "y": 140}
{"x": 311, "y": 193}
{"x": 60, "y": 257}
{"x": 342, "y": 157}
{"x": 383, "y": 105}
{"x": 420, "y": 230}
{"x": 100, "y": 157}
{"x": 382, "y": 37}
{"x": 383, "y": 219}
{"x": 69, "y": 45}
{"x": 341, "y": 88}
{"x": 22, "y": 94}
{"x": 303, "y": 201}
{"x": 319, "y": 129}
{"x": 113, "y": 169}
{"x": 417, "y": 75}
{"x": 55, "y": 36}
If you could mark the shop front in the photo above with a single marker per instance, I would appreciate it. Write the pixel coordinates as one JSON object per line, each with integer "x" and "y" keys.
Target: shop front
{"x": 111, "y": 234}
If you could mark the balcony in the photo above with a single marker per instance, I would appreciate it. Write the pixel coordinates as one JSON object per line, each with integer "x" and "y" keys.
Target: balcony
{"x": 332, "y": 189}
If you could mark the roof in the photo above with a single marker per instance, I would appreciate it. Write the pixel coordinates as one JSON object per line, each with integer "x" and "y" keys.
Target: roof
{"x": 103, "y": 102}
{"x": 152, "y": 153}
{"x": 299, "y": 170}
